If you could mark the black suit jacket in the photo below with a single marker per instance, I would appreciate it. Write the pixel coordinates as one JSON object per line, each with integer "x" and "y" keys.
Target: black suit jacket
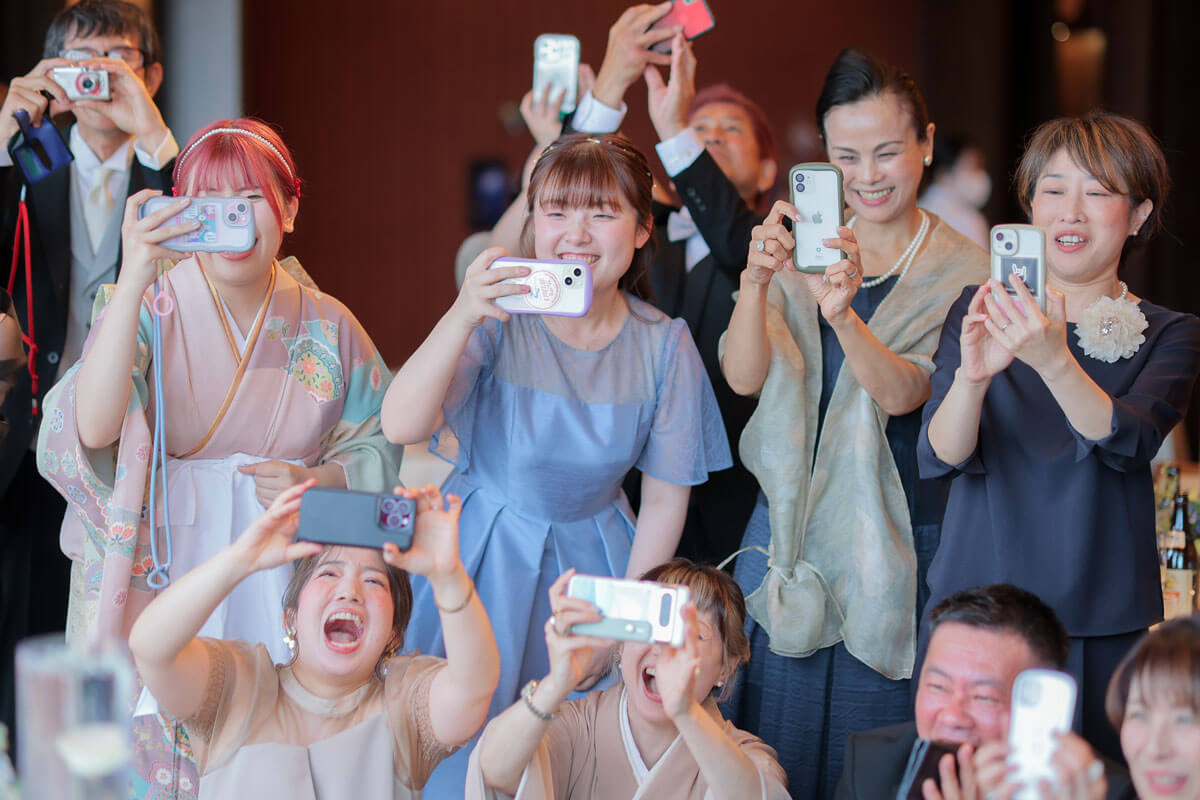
{"x": 49, "y": 207}
{"x": 875, "y": 762}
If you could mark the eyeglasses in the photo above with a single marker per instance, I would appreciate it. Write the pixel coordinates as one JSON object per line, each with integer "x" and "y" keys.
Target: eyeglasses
{"x": 132, "y": 56}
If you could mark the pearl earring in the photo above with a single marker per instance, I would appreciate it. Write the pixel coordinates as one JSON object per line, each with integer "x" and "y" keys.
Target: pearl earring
{"x": 928, "y": 160}
{"x": 289, "y": 639}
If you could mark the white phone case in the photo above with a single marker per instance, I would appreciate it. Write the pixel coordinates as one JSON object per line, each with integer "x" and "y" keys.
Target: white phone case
{"x": 637, "y": 611}
{"x": 226, "y": 224}
{"x": 556, "y": 62}
{"x": 1043, "y": 703}
{"x": 556, "y": 288}
{"x": 816, "y": 192}
{"x": 1020, "y": 250}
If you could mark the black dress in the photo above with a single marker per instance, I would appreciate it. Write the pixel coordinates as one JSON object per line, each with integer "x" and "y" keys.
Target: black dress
{"x": 1039, "y": 506}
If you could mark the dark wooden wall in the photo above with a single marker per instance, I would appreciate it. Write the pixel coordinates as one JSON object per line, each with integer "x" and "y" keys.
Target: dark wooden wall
{"x": 385, "y": 103}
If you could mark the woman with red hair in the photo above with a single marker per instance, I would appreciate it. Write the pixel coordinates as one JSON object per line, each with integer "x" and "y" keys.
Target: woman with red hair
{"x": 265, "y": 383}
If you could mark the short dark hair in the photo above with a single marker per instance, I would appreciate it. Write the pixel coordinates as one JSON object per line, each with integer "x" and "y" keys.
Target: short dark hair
{"x": 1166, "y": 663}
{"x": 1004, "y": 608}
{"x": 856, "y": 75}
{"x": 103, "y": 18}
{"x": 1118, "y": 151}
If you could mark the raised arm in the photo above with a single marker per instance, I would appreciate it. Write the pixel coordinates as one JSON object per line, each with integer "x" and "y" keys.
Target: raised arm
{"x": 105, "y": 373}
{"x": 511, "y": 739}
{"x": 747, "y": 353}
{"x": 169, "y": 657}
{"x": 412, "y": 407}
{"x": 461, "y": 693}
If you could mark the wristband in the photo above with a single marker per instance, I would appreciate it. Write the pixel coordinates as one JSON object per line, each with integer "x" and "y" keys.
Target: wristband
{"x": 527, "y": 696}
{"x": 466, "y": 601}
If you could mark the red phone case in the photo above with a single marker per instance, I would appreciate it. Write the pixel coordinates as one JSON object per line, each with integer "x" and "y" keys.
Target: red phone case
{"x": 695, "y": 17}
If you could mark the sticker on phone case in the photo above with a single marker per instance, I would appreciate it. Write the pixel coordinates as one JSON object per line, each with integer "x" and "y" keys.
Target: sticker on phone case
{"x": 544, "y": 289}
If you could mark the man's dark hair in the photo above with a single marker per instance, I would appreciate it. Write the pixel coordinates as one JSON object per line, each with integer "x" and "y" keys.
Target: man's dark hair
{"x": 104, "y": 18}
{"x": 1004, "y": 608}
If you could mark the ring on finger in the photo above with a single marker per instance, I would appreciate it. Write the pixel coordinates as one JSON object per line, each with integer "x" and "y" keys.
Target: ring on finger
{"x": 852, "y": 274}
{"x": 553, "y": 623}
{"x": 1004, "y": 327}
{"x": 760, "y": 245}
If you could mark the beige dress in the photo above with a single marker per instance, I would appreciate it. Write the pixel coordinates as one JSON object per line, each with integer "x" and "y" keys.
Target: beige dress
{"x": 588, "y": 752}
{"x": 259, "y": 733}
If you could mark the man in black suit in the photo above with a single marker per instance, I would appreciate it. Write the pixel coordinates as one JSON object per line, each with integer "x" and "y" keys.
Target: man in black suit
{"x": 120, "y": 147}
{"x": 981, "y": 640}
{"x": 719, "y": 152}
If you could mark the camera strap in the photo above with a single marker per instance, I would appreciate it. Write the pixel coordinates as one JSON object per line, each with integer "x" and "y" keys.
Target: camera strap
{"x": 21, "y": 245}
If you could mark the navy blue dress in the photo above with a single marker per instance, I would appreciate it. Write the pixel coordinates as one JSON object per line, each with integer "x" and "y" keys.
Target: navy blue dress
{"x": 1068, "y": 518}
{"x": 806, "y": 707}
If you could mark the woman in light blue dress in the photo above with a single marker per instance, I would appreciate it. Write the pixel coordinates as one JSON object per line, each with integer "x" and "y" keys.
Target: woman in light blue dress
{"x": 543, "y": 416}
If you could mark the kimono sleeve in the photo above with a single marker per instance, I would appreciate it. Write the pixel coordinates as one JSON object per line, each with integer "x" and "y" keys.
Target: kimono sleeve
{"x": 550, "y": 772}
{"x": 687, "y": 437}
{"x": 1143, "y": 416}
{"x": 406, "y": 699}
{"x": 772, "y": 780}
{"x": 458, "y": 407}
{"x": 946, "y": 361}
{"x": 356, "y": 441}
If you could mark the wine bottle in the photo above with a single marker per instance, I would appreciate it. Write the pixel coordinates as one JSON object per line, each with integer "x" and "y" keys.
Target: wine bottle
{"x": 1180, "y": 566}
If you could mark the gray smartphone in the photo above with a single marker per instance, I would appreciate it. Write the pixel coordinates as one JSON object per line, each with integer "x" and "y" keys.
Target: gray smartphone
{"x": 226, "y": 224}
{"x": 356, "y": 519}
{"x": 1020, "y": 250}
{"x": 816, "y": 192}
{"x": 556, "y": 64}
{"x": 636, "y": 611}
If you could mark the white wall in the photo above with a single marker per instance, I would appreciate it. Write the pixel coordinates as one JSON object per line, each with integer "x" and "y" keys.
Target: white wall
{"x": 202, "y": 43}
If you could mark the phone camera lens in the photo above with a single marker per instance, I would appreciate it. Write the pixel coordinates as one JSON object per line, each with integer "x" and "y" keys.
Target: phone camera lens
{"x": 389, "y": 505}
{"x": 394, "y": 521}
{"x": 799, "y": 177}
{"x": 999, "y": 236}
{"x": 232, "y": 217}
{"x": 241, "y": 207}
{"x": 568, "y": 280}
{"x": 578, "y": 272}
{"x": 799, "y": 187}
{"x": 1008, "y": 245}
{"x": 664, "y": 611}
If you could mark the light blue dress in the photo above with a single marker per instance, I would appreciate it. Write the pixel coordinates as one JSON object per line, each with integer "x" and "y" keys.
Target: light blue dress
{"x": 545, "y": 435}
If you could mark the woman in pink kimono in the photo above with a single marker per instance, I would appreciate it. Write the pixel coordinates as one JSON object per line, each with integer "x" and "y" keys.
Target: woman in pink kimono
{"x": 657, "y": 733}
{"x": 345, "y": 716}
{"x": 265, "y": 382}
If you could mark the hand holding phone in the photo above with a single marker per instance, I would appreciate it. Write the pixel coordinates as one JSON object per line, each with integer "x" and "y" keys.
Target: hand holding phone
{"x": 1043, "y": 704}
{"x": 556, "y": 66}
{"x": 556, "y": 288}
{"x": 226, "y": 224}
{"x": 694, "y": 16}
{"x": 816, "y": 192}
{"x": 636, "y": 611}
{"x": 1020, "y": 250}
{"x": 923, "y": 762}
{"x": 356, "y": 519}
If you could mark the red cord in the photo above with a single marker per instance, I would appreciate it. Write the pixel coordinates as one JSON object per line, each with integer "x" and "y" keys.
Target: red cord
{"x": 22, "y": 236}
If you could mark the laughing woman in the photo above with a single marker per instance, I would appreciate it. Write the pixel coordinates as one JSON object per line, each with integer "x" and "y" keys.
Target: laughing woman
{"x": 1046, "y": 422}
{"x": 346, "y": 716}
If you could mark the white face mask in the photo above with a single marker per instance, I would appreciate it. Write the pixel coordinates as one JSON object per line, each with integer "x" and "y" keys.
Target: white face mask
{"x": 974, "y": 186}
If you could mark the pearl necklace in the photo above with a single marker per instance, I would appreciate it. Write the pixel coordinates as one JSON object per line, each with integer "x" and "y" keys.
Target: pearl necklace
{"x": 906, "y": 258}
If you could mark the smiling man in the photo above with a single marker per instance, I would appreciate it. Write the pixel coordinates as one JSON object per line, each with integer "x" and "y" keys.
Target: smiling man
{"x": 120, "y": 146}
{"x": 981, "y": 640}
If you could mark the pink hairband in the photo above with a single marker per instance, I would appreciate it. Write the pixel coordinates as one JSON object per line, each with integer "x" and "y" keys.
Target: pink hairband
{"x": 252, "y": 135}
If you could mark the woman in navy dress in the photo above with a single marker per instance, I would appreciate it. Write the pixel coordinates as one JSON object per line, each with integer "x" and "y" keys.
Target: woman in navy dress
{"x": 1047, "y": 421}
{"x": 542, "y": 416}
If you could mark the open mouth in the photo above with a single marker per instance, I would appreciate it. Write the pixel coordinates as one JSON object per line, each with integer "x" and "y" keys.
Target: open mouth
{"x": 650, "y": 684}
{"x": 1070, "y": 242}
{"x": 876, "y": 196}
{"x": 1165, "y": 782}
{"x": 343, "y": 631}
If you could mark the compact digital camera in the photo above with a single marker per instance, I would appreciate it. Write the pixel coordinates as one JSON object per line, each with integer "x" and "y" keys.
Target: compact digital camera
{"x": 81, "y": 83}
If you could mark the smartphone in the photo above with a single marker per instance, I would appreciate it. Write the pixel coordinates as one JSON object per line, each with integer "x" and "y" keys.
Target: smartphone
{"x": 1020, "y": 250}
{"x": 556, "y": 63}
{"x": 923, "y": 763}
{"x": 226, "y": 224}
{"x": 356, "y": 519}
{"x": 694, "y": 15}
{"x": 816, "y": 192}
{"x": 636, "y": 611}
{"x": 1043, "y": 703}
{"x": 556, "y": 288}
{"x": 81, "y": 83}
